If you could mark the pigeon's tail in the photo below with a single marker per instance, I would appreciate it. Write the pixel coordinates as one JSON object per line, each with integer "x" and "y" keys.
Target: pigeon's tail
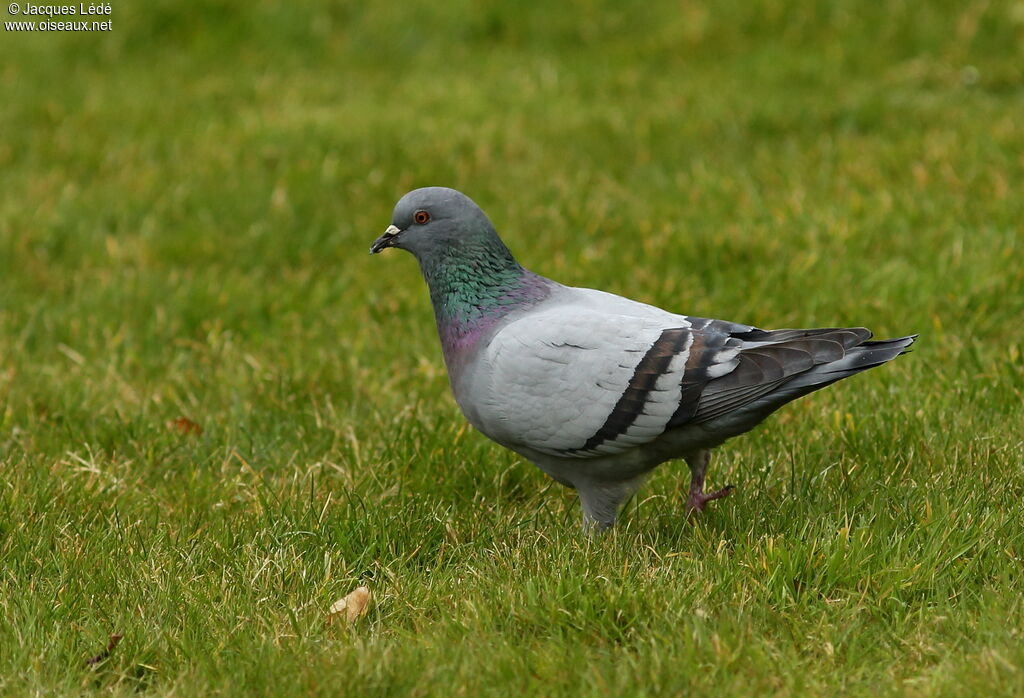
{"x": 776, "y": 367}
{"x": 859, "y": 358}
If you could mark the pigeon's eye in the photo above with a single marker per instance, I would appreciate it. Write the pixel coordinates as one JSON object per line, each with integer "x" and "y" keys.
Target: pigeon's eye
{"x": 421, "y": 217}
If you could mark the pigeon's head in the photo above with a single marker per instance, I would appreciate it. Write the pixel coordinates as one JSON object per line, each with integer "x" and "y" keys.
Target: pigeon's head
{"x": 432, "y": 220}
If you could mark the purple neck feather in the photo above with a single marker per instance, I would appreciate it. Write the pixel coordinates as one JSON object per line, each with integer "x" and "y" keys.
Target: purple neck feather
{"x": 467, "y": 313}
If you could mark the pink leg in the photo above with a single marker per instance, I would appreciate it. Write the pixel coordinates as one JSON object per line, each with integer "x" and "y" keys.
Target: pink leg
{"x": 698, "y": 498}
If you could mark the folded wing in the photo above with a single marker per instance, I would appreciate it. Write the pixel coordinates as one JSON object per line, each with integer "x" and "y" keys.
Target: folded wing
{"x": 576, "y": 382}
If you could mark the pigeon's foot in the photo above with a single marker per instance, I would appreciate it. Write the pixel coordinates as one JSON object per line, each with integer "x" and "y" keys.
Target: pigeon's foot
{"x": 698, "y": 463}
{"x": 697, "y": 499}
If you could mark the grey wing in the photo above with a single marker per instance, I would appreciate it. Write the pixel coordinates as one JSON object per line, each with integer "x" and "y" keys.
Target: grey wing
{"x": 578, "y": 382}
{"x": 772, "y": 367}
{"x": 575, "y": 382}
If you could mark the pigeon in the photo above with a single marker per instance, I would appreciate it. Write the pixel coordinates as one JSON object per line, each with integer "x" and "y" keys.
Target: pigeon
{"x": 595, "y": 389}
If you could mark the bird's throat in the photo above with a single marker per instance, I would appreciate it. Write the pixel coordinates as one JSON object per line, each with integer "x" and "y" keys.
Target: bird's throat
{"x": 471, "y": 294}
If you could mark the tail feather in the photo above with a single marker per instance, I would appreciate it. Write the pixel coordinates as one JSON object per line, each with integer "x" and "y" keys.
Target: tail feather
{"x": 868, "y": 355}
{"x": 802, "y": 361}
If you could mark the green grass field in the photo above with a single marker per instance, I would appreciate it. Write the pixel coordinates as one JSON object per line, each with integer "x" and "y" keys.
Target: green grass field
{"x": 187, "y": 203}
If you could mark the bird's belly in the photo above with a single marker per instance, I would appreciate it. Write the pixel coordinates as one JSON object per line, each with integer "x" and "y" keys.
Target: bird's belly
{"x": 628, "y": 465}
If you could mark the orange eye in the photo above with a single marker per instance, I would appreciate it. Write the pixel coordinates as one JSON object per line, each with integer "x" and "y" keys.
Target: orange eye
{"x": 421, "y": 217}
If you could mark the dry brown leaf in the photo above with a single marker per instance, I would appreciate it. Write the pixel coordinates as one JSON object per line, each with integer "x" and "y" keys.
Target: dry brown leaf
{"x": 352, "y": 607}
{"x": 186, "y": 426}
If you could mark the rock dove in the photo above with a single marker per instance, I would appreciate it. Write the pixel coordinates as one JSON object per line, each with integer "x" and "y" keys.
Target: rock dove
{"x": 596, "y": 389}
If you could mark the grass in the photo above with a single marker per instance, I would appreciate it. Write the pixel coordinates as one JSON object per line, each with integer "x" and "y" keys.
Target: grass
{"x": 187, "y": 205}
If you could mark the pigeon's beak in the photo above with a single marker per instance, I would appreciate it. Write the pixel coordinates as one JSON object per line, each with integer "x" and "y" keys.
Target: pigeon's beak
{"x": 385, "y": 240}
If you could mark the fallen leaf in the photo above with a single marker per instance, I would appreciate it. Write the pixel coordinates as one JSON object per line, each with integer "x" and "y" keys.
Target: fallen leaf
{"x": 186, "y": 426}
{"x": 114, "y": 639}
{"x": 352, "y": 607}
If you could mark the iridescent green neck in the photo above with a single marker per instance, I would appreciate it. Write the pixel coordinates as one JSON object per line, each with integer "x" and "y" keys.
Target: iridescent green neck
{"x": 471, "y": 280}
{"x": 473, "y": 285}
